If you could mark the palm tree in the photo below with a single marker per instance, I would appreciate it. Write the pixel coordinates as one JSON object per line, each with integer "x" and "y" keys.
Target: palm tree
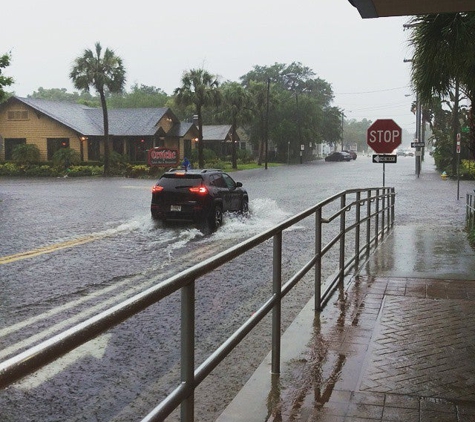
{"x": 258, "y": 93}
{"x": 236, "y": 108}
{"x": 443, "y": 60}
{"x": 105, "y": 73}
{"x": 199, "y": 89}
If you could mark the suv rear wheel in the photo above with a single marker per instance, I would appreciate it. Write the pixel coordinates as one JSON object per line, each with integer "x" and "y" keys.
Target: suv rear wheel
{"x": 215, "y": 218}
{"x": 245, "y": 206}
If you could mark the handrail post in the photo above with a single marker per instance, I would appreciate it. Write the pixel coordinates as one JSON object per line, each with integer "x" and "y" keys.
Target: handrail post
{"x": 376, "y": 219}
{"x": 393, "y": 200}
{"x": 188, "y": 349}
{"x": 342, "y": 236}
{"x": 276, "y": 310}
{"x": 357, "y": 230}
{"x": 467, "y": 200}
{"x": 368, "y": 222}
{"x": 318, "y": 262}
{"x": 383, "y": 207}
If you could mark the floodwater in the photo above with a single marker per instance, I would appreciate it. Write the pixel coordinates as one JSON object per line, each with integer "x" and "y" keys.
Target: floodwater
{"x": 71, "y": 248}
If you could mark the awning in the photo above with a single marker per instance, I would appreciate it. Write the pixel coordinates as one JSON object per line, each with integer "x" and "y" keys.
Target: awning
{"x": 385, "y": 8}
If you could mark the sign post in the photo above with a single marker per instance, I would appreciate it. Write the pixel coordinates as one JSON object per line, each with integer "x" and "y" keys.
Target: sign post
{"x": 384, "y": 136}
{"x": 458, "y": 165}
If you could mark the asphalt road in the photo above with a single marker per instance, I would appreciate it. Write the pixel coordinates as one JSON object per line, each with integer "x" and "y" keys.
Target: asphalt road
{"x": 73, "y": 247}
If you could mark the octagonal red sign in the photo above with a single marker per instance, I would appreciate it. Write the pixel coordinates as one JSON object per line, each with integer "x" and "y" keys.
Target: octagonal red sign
{"x": 384, "y": 136}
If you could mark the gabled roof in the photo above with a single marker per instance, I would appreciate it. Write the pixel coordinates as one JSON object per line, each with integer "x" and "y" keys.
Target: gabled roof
{"x": 182, "y": 128}
{"x": 69, "y": 114}
{"x": 88, "y": 121}
{"x": 130, "y": 121}
{"x": 216, "y": 132}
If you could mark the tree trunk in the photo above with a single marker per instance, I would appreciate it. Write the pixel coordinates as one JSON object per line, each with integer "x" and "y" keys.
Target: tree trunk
{"x": 106, "y": 134}
{"x": 261, "y": 141}
{"x": 201, "y": 161}
{"x": 233, "y": 145}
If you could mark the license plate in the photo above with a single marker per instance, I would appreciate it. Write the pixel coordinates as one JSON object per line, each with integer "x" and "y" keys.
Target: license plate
{"x": 175, "y": 208}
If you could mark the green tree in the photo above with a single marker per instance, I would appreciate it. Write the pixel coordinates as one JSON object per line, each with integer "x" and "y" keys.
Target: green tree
{"x": 142, "y": 96}
{"x": 236, "y": 109}
{"x": 443, "y": 62}
{"x": 105, "y": 73}
{"x": 299, "y": 105}
{"x": 4, "y": 80}
{"x": 331, "y": 126}
{"x": 258, "y": 100}
{"x": 199, "y": 89}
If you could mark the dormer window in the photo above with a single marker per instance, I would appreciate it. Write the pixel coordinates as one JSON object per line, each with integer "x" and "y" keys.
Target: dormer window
{"x": 18, "y": 115}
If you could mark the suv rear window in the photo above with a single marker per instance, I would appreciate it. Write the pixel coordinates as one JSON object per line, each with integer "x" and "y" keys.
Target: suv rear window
{"x": 173, "y": 181}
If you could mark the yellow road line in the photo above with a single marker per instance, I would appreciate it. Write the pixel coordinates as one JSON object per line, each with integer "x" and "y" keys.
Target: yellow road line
{"x": 48, "y": 249}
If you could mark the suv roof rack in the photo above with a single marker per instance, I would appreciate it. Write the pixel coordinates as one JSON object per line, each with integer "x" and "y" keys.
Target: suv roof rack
{"x": 173, "y": 170}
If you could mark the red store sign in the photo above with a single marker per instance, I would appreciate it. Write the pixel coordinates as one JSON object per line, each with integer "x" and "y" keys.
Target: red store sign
{"x": 163, "y": 157}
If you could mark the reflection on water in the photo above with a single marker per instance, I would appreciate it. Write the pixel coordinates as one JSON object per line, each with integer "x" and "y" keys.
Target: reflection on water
{"x": 315, "y": 375}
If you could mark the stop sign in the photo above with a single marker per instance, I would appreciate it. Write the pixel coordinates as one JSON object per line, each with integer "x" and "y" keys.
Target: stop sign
{"x": 384, "y": 136}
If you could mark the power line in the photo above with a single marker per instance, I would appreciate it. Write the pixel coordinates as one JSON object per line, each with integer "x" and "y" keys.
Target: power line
{"x": 372, "y": 92}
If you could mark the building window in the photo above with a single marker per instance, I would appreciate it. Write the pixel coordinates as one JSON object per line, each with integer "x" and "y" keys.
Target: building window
{"x": 93, "y": 150}
{"x": 10, "y": 144}
{"x": 54, "y": 144}
{"x": 118, "y": 146}
{"x": 187, "y": 147}
{"x": 18, "y": 115}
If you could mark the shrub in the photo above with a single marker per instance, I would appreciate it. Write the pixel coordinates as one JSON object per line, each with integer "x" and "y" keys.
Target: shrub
{"x": 138, "y": 171}
{"x": 26, "y": 154}
{"x": 209, "y": 156}
{"x": 118, "y": 163}
{"x": 245, "y": 156}
{"x": 66, "y": 157}
{"x": 9, "y": 169}
{"x": 41, "y": 171}
{"x": 79, "y": 171}
{"x": 467, "y": 169}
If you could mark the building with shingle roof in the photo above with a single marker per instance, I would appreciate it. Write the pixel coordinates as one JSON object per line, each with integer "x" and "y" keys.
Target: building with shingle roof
{"x": 219, "y": 139}
{"x": 51, "y": 125}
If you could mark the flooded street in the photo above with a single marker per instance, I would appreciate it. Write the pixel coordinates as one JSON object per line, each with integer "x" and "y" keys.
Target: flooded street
{"x": 72, "y": 248}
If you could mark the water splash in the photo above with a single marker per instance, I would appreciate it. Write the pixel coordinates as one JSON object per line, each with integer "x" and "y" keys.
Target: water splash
{"x": 264, "y": 213}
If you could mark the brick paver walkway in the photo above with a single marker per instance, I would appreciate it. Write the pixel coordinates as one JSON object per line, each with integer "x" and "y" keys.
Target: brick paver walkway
{"x": 394, "y": 350}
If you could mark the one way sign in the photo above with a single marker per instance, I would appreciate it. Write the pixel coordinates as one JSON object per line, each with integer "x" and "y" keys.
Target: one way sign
{"x": 378, "y": 158}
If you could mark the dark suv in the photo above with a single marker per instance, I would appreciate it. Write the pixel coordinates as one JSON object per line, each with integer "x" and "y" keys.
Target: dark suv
{"x": 200, "y": 196}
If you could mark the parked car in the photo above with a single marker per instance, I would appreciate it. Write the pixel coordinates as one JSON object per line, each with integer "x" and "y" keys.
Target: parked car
{"x": 199, "y": 196}
{"x": 400, "y": 152}
{"x": 353, "y": 154}
{"x": 338, "y": 156}
{"x": 408, "y": 153}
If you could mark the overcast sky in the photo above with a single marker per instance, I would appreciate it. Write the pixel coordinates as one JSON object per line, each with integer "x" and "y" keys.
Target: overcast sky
{"x": 158, "y": 40}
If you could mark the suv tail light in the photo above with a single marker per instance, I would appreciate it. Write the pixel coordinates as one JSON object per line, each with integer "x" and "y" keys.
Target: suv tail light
{"x": 156, "y": 189}
{"x": 201, "y": 190}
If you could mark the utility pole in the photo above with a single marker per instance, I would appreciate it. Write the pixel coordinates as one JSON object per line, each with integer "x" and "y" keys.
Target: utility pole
{"x": 267, "y": 124}
{"x": 418, "y": 135}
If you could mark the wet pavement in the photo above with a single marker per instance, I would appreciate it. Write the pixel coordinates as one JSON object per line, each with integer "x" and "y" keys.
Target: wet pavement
{"x": 397, "y": 343}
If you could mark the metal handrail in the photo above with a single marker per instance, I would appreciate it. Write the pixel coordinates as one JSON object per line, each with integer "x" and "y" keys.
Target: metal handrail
{"x": 470, "y": 212}
{"x": 382, "y": 218}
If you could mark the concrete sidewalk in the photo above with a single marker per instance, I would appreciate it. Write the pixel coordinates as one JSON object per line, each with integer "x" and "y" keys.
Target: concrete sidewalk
{"x": 398, "y": 344}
